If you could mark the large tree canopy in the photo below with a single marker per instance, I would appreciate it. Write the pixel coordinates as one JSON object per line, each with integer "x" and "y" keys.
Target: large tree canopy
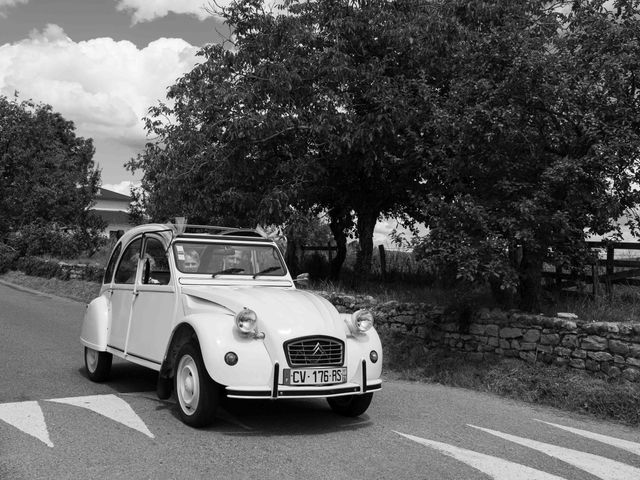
{"x": 538, "y": 141}
{"x": 510, "y": 128}
{"x": 315, "y": 109}
{"x": 47, "y": 175}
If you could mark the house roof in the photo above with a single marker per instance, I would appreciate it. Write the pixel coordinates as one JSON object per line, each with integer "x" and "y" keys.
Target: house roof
{"x": 104, "y": 194}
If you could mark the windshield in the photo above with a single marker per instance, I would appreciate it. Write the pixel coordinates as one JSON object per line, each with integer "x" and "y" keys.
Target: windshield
{"x": 228, "y": 259}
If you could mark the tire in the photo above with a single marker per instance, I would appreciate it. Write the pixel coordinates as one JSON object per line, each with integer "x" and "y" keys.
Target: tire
{"x": 198, "y": 395}
{"x": 350, "y": 405}
{"x": 164, "y": 387}
{"x": 98, "y": 364}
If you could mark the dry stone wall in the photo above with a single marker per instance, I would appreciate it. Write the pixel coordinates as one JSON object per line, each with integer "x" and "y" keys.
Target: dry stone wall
{"x": 602, "y": 348}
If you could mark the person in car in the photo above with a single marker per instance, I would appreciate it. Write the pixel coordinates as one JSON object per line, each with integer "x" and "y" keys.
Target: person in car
{"x": 238, "y": 260}
{"x": 191, "y": 261}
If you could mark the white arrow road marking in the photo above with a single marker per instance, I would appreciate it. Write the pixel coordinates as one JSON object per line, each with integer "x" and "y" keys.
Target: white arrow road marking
{"x": 111, "y": 407}
{"x": 616, "y": 442}
{"x": 602, "y": 467}
{"x": 28, "y": 417}
{"x": 495, "y": 467}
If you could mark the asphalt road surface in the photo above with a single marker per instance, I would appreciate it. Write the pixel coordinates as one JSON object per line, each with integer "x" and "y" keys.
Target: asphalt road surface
{"x": 56, "y": 424}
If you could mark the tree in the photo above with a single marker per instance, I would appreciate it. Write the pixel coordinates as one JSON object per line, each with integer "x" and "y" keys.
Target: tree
{"x": 47, "y": 175}
{"x": 317, "y": 109}
{"x": 538, "y": 138}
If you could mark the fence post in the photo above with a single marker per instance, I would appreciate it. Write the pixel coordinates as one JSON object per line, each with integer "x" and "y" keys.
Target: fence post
{"x": 595, "y": 280}
{"x": 383, "y": 262}
{"x": 330, "y": 250}
{"x": 609, "y": 269}
{"x": 558, "y": 278}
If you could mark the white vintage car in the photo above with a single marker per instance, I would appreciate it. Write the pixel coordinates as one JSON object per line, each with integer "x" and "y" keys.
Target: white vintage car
{"x": 217, "y": 313}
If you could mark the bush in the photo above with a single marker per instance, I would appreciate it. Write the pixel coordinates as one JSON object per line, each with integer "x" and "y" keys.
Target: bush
{"x": 8, "y": 257}
{"x": 93, "y": 273}
{"x": 44, "y": 238}
{"x": 317, "y": 266}
{"x": 37, "y": 267}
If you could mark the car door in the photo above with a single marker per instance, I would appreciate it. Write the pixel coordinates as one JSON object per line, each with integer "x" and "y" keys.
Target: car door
{"x": 154, "y": 305}
{"x": 123, "y": 294}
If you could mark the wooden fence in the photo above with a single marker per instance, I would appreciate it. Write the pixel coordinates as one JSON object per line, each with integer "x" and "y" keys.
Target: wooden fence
{"x": 605, "y": 272}
{"x": 321, "y": 248}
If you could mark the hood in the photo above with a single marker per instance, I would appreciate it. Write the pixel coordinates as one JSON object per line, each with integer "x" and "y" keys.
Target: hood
{"x": 283, "y": 314}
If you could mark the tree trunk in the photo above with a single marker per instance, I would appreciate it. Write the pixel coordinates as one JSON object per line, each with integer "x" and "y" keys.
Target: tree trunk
{"x": 530, "y": 273}
{"x": 292, "y": 255}
{"x": 339, "y": 227}
{"x": 365, "y": 225}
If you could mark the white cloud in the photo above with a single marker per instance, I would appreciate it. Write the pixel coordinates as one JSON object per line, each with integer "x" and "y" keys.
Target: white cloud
{"x": 104, "y": 86}
{"x": 123, "y": 187}
{"x": 9, "y": 3}
{"x": 148, "y": 10}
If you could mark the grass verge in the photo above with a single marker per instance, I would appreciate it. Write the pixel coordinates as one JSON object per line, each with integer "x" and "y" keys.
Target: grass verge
{"x": 75, "y": 289}
{"x": 566, "y": 389}
{"x": 562, "y": 388}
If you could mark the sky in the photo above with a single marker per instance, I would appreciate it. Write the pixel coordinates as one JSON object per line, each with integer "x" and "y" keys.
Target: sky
{"x": 102, "y": 64}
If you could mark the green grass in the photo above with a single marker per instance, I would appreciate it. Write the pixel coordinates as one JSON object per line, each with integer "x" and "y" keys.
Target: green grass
{"x": 622, "y": 306}
{"x": 78, "y": 290}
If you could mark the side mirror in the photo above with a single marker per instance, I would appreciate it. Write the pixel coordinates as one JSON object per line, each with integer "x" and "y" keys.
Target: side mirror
{"x": 302, "y": 280}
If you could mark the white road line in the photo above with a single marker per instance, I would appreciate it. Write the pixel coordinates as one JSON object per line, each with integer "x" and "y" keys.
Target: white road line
{"x": 601, "y": 467}
{"x": 616, "y": 442}
{"x": 495, "y": 467}
{"x": 111, "y": 407}
{"x": 28, "y": 417}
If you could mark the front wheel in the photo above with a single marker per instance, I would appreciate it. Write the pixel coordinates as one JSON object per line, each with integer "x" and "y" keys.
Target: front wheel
{"x": 98, "y": 364}
{"x": 350, "y": 405}
{"x": 198, "y": 395}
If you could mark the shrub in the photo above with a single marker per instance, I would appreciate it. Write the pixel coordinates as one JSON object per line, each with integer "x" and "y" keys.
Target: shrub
{"x": 8, "y": 257}
{"x": 37, "y": 267}
{"x": 45, "y": 238}
{"x": 317, "y": 266}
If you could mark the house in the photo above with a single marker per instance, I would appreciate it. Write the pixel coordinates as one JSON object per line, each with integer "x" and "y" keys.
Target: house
{"x": 113, "y": 208}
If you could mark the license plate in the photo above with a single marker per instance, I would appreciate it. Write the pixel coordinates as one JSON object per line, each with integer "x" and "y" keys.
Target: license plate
{"x": 314, "y": 376}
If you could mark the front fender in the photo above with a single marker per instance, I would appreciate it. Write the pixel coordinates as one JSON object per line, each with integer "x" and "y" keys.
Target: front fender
{"x": 95, "y": 325}
{"x": 217, "y": 336}
{"x": 358, "y": 348}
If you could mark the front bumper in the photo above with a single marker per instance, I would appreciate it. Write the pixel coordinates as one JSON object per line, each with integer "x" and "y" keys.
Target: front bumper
{"x": 277, "y": 390}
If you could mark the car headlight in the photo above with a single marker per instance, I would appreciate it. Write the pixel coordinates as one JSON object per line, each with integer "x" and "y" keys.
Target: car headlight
{"x": 360, "y": 321}
{"x": 246, "y": 320}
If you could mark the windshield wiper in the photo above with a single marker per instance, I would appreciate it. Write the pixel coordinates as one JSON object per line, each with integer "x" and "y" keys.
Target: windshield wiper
{"x": 227, "y": 270}
{"x": 267, "y": 270}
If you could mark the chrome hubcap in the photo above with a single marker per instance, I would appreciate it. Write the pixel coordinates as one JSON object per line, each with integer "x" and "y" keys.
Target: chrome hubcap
{"x": 188, "y": 385}
{"x": 92, "y": 359}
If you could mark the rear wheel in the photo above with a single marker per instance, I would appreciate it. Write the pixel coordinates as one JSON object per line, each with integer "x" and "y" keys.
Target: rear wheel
{"x": 198, "y": 395}
{"x": 98, "y": 364}
{"x": 350, "y": 405}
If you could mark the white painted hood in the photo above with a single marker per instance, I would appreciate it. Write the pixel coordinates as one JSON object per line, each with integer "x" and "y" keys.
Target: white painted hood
{"x": 283, "y": 314}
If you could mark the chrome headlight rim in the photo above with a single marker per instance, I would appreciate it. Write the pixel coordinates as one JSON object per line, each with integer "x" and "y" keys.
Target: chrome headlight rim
{"x": 246, "y": 320}
{"x": 361, "y": 321}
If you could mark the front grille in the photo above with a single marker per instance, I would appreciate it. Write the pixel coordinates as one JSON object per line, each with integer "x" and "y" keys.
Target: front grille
{"x": 314, "y": 351}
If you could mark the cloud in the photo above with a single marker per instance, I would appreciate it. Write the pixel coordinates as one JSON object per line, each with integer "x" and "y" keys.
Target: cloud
{"x": 9, "y": 3}
{"x": 104, "y": 86}
{"x": 123, "y": 187}
{"x": 51, "y": 33}
{"x": 149, "y": 10}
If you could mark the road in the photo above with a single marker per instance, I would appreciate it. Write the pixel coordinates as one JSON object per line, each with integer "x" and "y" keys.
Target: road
{"x": 56, "y": 424}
